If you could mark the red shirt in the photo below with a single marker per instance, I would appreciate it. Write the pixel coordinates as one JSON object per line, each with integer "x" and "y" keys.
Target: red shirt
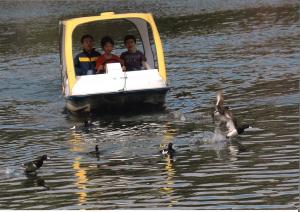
{"x": 102, "y": 60}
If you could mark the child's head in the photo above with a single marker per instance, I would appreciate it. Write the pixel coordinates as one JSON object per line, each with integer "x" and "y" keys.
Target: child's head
{"x": 130, "y": 42}
{"x": 87, "y": 42}
{"x": 107, "y": 44}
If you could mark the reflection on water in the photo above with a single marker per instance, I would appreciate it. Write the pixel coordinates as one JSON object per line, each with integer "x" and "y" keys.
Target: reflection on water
{"x": 34, "y": 180}
{"x": 81, "y": 181}
{"x": 168, "y": 190}
{"x": 251, "y": 51}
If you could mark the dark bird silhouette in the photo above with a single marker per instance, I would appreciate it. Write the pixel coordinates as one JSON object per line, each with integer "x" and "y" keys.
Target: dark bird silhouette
{"x": 87, "y": 124}
{"x": 85, "y": 127}
{"x": 168, "y": 151}
{"x": 183, "y": 94}
{"x": 226, "y": 116}
{"x": 96, "y": 152}
{"x": 35, "y": 165}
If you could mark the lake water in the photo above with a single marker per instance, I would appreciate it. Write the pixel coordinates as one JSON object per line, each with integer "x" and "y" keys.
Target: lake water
{"x": 248, "y": 49}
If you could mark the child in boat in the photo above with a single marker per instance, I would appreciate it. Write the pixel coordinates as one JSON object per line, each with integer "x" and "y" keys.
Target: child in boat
{"x": 107, "y": 57}
{"x": 85, "y": 62}
{"x": 133, "y": 59}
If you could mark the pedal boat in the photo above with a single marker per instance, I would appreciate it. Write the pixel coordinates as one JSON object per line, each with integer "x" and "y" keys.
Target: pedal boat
{"x": 116, "y": 90}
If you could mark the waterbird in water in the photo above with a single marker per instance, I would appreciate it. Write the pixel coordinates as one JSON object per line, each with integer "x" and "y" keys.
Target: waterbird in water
{"x": 96, "y": 152}
{"x": 36, "y": 164}
{"x": 168, "y": 151}
{"x": 183, "y": 94}
{"x": 225, "y": 115}
{"x": 86, "y": 127}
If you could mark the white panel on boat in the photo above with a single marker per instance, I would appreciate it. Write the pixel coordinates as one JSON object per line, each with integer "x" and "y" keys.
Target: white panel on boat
{"x": 144, "y": 79}
{"x": 99, "y": 83}
{"x": 118, "y": 81}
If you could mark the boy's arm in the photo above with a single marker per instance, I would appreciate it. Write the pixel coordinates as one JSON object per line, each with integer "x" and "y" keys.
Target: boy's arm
{"x": 99, "y": 65}
{"x": 122, "y": 62}
{"x": 76, "y": 66}
{"x": 144, "y": 62}
{"x": 146, "y": 65}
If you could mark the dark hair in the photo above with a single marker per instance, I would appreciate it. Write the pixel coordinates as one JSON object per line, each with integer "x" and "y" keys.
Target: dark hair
{"x": 107, "y": 39}
{"x": 128, "y": 37}
{"x": 86, "y": 36}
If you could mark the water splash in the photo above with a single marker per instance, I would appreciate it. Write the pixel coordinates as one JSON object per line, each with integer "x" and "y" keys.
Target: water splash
{"x": 11, "y": 172}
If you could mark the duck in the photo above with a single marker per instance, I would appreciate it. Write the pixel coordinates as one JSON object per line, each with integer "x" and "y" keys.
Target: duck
{"x": 224, "y": 114}
{"x": 96, "y": 152}
{"x": 88, "y": 123}
{"x": 168, "y": 151}
{"x": 183, "y": 94}
{"x": 86, "y": 126}
{"x": 36, "y": 164}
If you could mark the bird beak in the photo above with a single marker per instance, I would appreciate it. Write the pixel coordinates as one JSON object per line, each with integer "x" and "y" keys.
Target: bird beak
{"x": 48, "y": 158}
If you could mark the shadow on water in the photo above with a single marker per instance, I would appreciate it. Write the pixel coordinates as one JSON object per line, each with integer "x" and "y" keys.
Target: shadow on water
{"x": 110, "y": 113}
{"x": 33, "y": 180}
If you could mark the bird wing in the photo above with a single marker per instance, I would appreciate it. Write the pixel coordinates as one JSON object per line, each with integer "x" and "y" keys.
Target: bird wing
{"x": 38, "y": 163}
{"x": 30, "y": 166}
{"x": 164, "y": 151}
{"x": 220, "y": 98}
{"x": 231, "y": 124}
{"x": 232, "y": 133}
{"x": 230, "y": 115}
{"x": 220, "y": 102}
{"x": 235, "y": 122}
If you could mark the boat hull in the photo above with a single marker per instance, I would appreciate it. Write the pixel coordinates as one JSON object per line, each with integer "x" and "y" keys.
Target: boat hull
{"x": 124, "y": 101}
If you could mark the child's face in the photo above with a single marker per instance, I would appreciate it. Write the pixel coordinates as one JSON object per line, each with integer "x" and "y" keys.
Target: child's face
{"x": 88, "y": 44}
{"x": 107, "y": 48}
{"x": 130, "y": 44}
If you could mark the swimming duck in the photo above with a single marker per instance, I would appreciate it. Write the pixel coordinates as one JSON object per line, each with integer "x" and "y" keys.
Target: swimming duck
{"x": 35, "y": 165}
{"x": 96, "y": 152}
{"x": 168, "y": 151}
{"x": 86, "y": 127}
{"x": 225, "y": 115}
{"x": 183, "y": 94}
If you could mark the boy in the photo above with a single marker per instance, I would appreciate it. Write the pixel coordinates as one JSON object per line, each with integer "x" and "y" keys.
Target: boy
{"x": 85, "y": 62}
{"x": 133, "y": 59}
{"x": 107, "y": 45}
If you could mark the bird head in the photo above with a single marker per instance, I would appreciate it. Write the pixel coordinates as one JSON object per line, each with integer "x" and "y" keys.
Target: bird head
{"x": 45, "y": 157}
